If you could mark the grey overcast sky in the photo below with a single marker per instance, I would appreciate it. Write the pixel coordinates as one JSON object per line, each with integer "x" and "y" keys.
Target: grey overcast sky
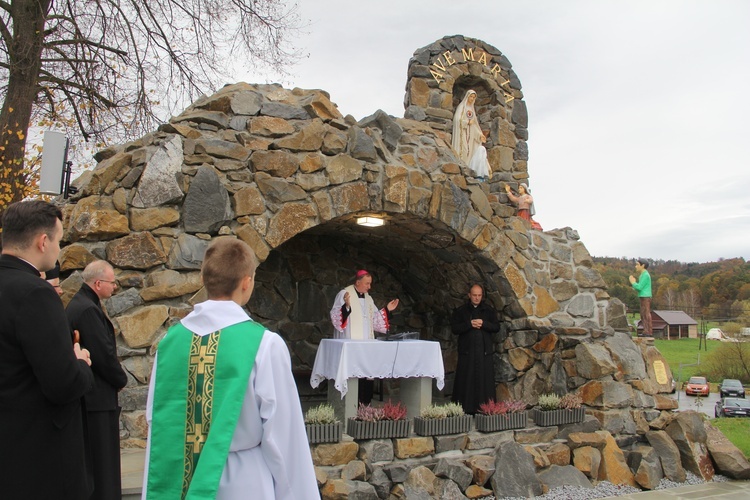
{"x": 638, "y": 110}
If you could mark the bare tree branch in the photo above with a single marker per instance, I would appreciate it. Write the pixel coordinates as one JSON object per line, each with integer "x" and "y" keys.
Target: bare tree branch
{"x": 67, "y": 85}
{"x": 117, "y": 68}
{"x": 86, "y": 42}
{"x": 4, "y": 31}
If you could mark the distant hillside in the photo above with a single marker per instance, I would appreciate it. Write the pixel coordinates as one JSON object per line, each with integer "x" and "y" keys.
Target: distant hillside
{"x": 717, "y": 291}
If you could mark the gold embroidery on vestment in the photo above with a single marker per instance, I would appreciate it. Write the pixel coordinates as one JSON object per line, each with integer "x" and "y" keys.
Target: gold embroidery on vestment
{"x": 201, "y": 373}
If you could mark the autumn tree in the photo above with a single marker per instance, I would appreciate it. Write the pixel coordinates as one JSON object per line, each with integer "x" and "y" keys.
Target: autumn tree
{"x": 116, "y": 68}
{"x": 730, "y": 360}
{"x": 710, "y": 289}
{"x": 691, "y": 301}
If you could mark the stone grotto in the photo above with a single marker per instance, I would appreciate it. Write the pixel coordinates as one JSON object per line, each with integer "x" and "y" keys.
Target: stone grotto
{"x": 285, "y": 171}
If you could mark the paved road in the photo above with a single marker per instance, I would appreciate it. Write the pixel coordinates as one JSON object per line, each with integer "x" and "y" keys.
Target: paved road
{"x": 691, "y": 402}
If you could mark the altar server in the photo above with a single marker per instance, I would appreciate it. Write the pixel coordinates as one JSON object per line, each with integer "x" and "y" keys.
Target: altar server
{"x": 224, "y": 413}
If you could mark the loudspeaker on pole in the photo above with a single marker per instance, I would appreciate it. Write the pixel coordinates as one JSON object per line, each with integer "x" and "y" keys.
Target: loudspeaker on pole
{"x": 55, "y": 170}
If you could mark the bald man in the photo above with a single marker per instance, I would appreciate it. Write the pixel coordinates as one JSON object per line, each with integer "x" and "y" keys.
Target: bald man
{"x": 85, "y": 314}
{"x": 474, "y": 322}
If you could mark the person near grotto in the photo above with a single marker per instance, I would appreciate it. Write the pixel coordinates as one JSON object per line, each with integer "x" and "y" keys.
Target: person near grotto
{"x": 525, "y": 203}
{"x": 224, "y": 414}
{"x": 468, "y": 139}
{"x": 354, "y": 316}
{"x": 43, "y": 374}
{"x": 474, "y": 322}
{"x": 643, "y": 286}
{"x": 97, "y": 334}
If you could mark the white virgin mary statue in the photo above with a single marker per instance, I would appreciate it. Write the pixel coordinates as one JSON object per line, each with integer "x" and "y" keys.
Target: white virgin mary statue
{"x": 468, "y": 137}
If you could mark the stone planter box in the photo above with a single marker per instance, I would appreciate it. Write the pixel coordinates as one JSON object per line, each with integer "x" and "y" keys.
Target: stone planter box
{"x": 378, "y": 430}
{"x": 558, "y": 417}
{"x": 439, "y": 426}
{"x": 323, "y": 433}
{"x": 496, "y": 423}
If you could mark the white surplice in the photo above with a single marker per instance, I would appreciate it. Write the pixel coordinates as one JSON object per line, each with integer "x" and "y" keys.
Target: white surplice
{"x": 269, "y": 457}
{"x": 373, "y": 319}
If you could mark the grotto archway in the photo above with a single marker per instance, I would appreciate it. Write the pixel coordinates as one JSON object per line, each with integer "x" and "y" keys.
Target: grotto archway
{"x": 423, "y": 263}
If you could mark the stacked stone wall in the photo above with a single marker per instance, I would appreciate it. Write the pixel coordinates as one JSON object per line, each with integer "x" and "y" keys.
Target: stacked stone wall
{"x": 527, "y": 462}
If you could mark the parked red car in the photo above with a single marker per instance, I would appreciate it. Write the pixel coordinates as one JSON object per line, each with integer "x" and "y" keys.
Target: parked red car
{"x": 697, "y": 386}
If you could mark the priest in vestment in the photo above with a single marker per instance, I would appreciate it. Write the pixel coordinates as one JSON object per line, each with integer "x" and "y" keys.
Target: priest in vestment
{"x": 224, "y": 412}
{"x": 359, "y": 319}
{"x": 354, "y": 316}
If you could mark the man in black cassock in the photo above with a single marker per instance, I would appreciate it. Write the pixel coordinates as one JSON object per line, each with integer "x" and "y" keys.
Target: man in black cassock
{"x": 43, "y": 375}
{"x": 474, "y": 323}
{"x": 85, "y": 314}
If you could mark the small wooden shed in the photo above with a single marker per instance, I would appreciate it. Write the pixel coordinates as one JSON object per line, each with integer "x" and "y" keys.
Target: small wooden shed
{"x": 672, "y": 325}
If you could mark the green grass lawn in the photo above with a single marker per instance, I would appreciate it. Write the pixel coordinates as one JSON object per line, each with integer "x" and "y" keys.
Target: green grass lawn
{"x": 685, "y": 351}
{"x": 737, "y": 430}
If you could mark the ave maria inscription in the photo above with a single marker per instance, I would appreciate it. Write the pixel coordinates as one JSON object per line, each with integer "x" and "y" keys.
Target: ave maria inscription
{"x": 448, "y": 59}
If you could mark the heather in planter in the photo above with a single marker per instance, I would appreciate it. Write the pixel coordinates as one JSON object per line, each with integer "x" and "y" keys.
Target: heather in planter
{"x": 556, "y": 410}
{"x": 442, "y": 419}
{"x": 388, "y": 421}
{"x": 321, "y": 425}
{"x": 497, "y": 416}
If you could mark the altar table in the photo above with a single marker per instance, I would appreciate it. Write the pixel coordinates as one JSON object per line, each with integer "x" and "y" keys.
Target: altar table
{"x": 343, "y": 361}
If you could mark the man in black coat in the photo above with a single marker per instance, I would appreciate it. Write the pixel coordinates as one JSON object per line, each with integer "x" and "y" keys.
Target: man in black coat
{"x": 474, "y": 323}
{"x": 85, "y": 314}
{"x": 43, "y": 375}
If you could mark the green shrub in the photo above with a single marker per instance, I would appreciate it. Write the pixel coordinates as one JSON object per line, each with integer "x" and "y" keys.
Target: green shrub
{"x": 442, "y": 411}
{"x": 731, "y": 328}
{"x": 549, "y": 402}
{"x": 434, "y": 412}
{"x": 454, "y": 409}
{"x": 729, "y": 360}
{"x": 321, "y": 414}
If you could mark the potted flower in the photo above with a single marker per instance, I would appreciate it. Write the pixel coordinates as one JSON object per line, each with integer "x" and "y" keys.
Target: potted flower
{"x": 388, "y": 421}
{"x": 556, "y": 410}
{"x": 442, "y": 419}
{"x": 321, "y": 425}
{"x": 496, "y": 416}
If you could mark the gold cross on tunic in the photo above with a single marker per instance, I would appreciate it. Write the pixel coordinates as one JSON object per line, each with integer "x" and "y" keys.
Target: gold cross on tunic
{"x": 196, "y": 439}
{"x": 202, "y": 359}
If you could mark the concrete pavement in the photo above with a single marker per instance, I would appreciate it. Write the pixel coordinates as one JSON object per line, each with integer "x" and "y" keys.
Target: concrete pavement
{"x": 131, "y": 467}
{"x": 730, "y": 490}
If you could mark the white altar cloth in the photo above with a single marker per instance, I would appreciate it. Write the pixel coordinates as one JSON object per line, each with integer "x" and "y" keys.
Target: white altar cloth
{"x": 341, "y": 359}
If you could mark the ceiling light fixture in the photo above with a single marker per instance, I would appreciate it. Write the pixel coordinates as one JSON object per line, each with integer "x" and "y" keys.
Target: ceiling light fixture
{"x": 370, "y": 221}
